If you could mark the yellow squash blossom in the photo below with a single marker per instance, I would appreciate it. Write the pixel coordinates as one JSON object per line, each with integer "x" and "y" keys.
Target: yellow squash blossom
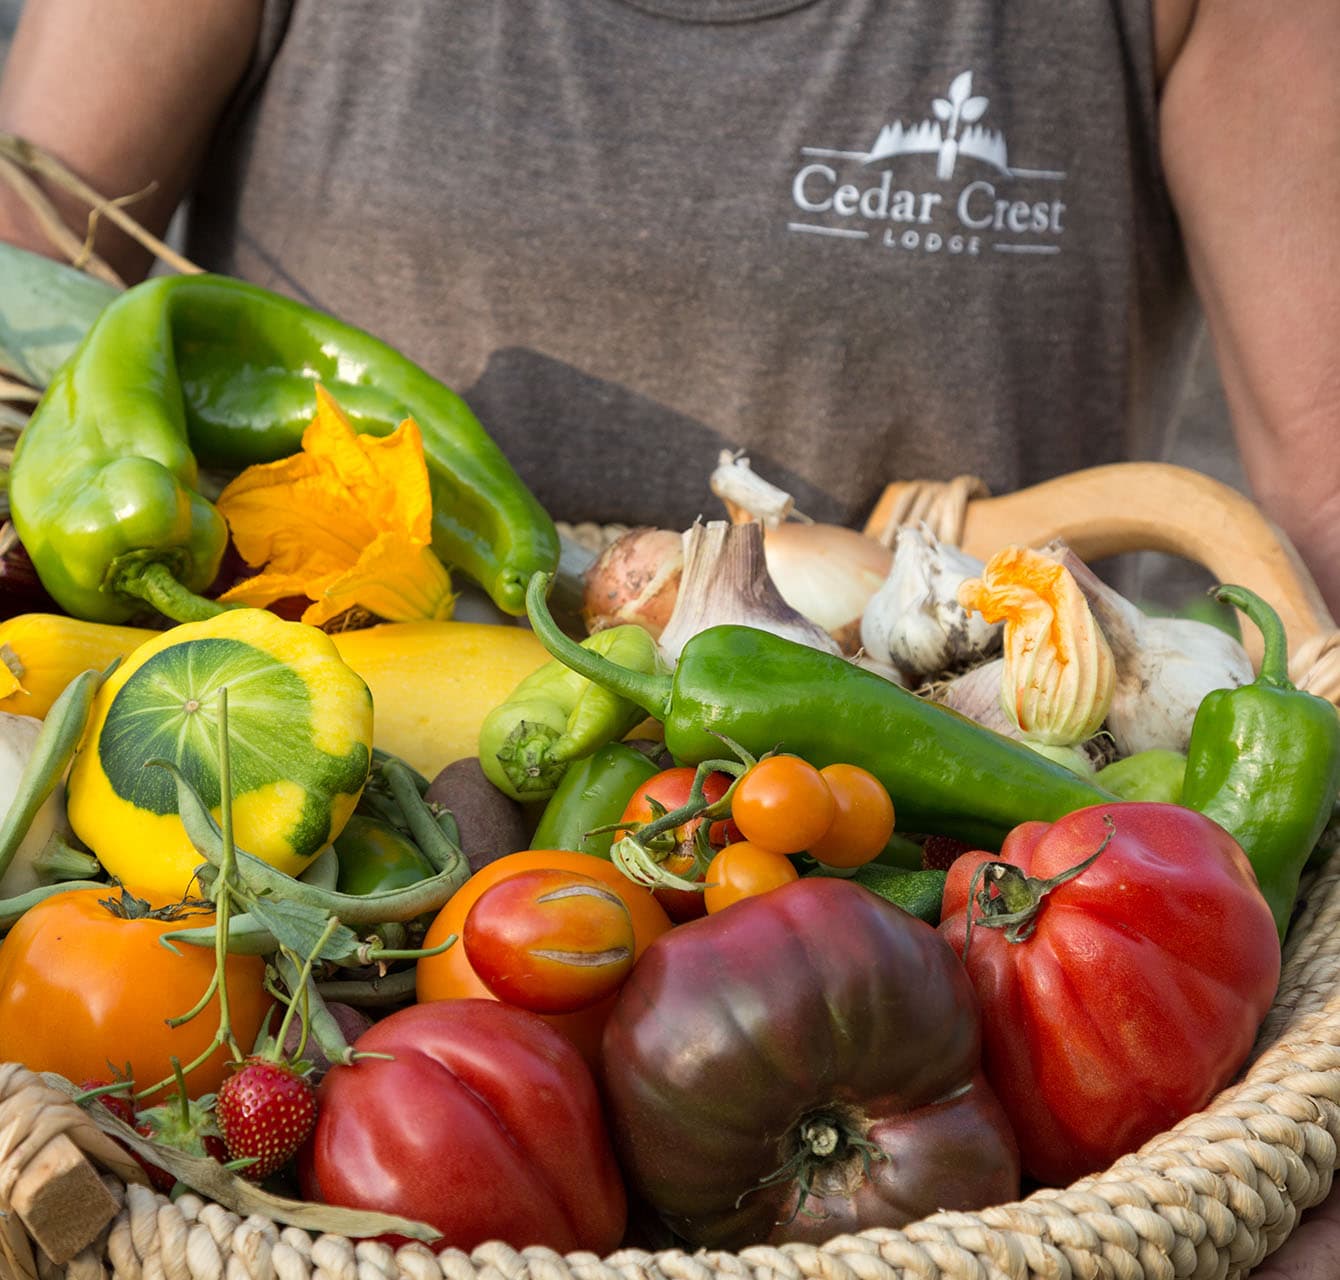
{"x": 1059, "y": 675}
{"x": 347, "y": 522}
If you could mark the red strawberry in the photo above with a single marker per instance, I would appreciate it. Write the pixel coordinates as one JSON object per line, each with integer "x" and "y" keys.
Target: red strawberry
{"x": 119, "y": 1103}
{"x": 265, "y": 1111}
{"x": 938, "y": 853}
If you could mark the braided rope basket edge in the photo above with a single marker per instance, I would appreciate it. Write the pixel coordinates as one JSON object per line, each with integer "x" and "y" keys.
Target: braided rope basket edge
{"x": 1209, "y": 1198}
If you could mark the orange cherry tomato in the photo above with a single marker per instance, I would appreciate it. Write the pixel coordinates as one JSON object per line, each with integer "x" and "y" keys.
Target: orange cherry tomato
{"x": 862, "y": 822}
{"x": 782, "y": 803}
{"x": 745, "y": 870}
{"x": 82, "y": 987}
{"x": 450, "y": 975}
{"x": 550, "y": 941}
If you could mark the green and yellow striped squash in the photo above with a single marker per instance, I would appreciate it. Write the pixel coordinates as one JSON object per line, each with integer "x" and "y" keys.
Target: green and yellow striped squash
{"x": 299, "y": 748}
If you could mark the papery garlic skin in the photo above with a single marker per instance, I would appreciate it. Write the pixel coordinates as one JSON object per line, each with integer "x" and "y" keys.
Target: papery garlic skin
{"x": 915, "y": 620}
{"x": 725, "y": 580}
{"x": 1059, "y": 673}
{"x": 1164, "y": 666}
{"x": 976, "y": 693}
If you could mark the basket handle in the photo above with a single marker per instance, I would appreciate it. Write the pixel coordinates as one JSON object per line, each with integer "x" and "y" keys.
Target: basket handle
{"x": 1138, "y": 506}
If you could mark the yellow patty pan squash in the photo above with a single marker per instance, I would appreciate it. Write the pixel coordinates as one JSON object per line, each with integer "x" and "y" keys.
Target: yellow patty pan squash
{"x": 299, "y": 747}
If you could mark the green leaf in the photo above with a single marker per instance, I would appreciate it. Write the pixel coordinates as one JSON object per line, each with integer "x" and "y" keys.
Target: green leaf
{"x": 299, "y": 926}
{"x": 46, "y": 307}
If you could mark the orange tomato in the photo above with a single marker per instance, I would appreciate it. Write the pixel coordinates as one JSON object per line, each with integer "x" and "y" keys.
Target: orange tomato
{"x": 450, "y": 976}
{"x": 744, "y": 870}
{"x": 782, "y": 803}
{"x": 862, "y": 822}
{"x": 84, "y": 991}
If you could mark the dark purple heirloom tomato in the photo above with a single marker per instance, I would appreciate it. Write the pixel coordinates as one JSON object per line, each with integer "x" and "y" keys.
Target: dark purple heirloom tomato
{"x": 802, "y": 1064}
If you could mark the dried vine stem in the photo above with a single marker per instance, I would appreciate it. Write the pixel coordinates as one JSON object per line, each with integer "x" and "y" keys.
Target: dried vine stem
{"x": 20, "y": 159}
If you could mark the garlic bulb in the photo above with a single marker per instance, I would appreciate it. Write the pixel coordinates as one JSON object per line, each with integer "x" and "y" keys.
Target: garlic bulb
{"x": 725, "y": 580}
{"x": 975, "y": 693}
{"x": 1164, "y": 666}
{"x": 915, "y": 621}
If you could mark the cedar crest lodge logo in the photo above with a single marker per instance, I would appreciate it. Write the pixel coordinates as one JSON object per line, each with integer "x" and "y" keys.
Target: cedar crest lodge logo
{"x": 970, "y": 201}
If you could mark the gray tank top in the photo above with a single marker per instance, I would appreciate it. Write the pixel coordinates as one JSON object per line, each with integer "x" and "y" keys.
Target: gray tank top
{"x": 860, "y": 240}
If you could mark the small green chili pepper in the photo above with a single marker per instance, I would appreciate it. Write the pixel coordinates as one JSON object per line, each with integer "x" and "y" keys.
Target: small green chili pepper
{"x": 374, "y": 857}
{"x": 1264, "y": 762}
{"x": 104, "y": 486}
{"x": 1155, "y": 774}
{"x": 919, "y": 893}
{"x": 555, "y": 716}
{"x": 945, "y": 774}
{"x": 594, "y": 793}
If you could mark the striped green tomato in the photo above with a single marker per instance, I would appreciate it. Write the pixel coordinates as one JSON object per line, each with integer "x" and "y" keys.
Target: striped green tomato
{"x": 299, "y": 748}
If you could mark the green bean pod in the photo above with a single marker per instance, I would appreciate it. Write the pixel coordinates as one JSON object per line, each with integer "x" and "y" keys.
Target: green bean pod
{"x": 55, "y": 746}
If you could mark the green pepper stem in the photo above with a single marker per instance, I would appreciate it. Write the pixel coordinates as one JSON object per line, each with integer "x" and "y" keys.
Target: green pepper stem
{"x": 1274, "y": 669}
{"x": 651, "y": 692}
{"x": 152, "y": 582}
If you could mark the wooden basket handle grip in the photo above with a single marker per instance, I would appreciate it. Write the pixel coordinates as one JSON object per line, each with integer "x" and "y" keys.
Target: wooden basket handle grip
{"x": 1147, "y": 506}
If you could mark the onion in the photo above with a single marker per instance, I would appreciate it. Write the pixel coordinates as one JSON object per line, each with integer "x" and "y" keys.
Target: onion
{"x": 635, "y": 579}
{"x": 827, "y": 572}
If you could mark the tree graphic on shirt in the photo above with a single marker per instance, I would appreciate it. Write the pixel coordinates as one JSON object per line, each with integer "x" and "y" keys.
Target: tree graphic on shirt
{"x": 960, "y": 107}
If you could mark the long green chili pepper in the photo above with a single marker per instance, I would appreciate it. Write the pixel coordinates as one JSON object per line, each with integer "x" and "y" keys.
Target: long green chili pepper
{"x": 52, "y": 752}
{"x": 946, "y": 774}
{"x": 187, "y": 370}
{"x": 556, "y": 715}
{"x": 1264, "y": 762}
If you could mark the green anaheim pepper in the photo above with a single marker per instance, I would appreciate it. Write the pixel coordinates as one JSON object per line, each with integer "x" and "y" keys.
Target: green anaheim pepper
{"x": 1264, "y": 762}
{"x": 945, "y": 774}
{"x": 182, "y": 371}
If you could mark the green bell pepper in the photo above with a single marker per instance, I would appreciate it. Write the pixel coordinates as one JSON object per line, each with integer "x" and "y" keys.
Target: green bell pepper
{"x": 374, "y": 857}
{"x": 182, "y": 371}
{"x": 1156, "y": 774}
{"x": 593, "y": 793}
{"x": 945, "y": 774}
{"x": 1264, "y": 762}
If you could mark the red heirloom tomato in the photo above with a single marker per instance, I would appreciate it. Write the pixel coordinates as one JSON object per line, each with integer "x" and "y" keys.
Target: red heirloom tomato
{"x": 803, "y": 1064}
{"x": 1132, "y": 993}
{"x": 550, "y": 941}
{"x": 450, "y": 976}
{"x": 484, "y": 1123}
{"x": 84, "y": 983}
{"x": 667, "y": 791}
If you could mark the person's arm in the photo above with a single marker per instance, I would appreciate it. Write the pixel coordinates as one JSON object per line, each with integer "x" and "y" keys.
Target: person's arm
{"x": 1250, "y": 132}
{"x": 125, "y": 95}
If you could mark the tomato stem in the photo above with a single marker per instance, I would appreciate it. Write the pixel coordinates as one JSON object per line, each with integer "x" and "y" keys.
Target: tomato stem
{"x": 1017, "y": 901}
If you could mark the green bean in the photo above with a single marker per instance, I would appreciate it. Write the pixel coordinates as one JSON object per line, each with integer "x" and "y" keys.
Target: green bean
{"x": 11, "y": 909}
{"x": 55, "y": 746}
{"x": 434, "y": 842}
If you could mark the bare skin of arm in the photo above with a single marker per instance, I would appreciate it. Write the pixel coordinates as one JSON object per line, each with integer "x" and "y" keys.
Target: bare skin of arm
{"x": 1250, "y": 133}
{"x": 126, "y": 95}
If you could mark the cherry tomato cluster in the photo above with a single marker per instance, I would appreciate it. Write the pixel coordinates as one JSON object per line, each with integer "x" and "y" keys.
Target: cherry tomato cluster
{"x": 840, "y": 815}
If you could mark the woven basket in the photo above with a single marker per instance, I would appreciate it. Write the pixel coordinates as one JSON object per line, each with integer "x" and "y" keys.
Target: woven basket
{"x": 1209, "y": 1198}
